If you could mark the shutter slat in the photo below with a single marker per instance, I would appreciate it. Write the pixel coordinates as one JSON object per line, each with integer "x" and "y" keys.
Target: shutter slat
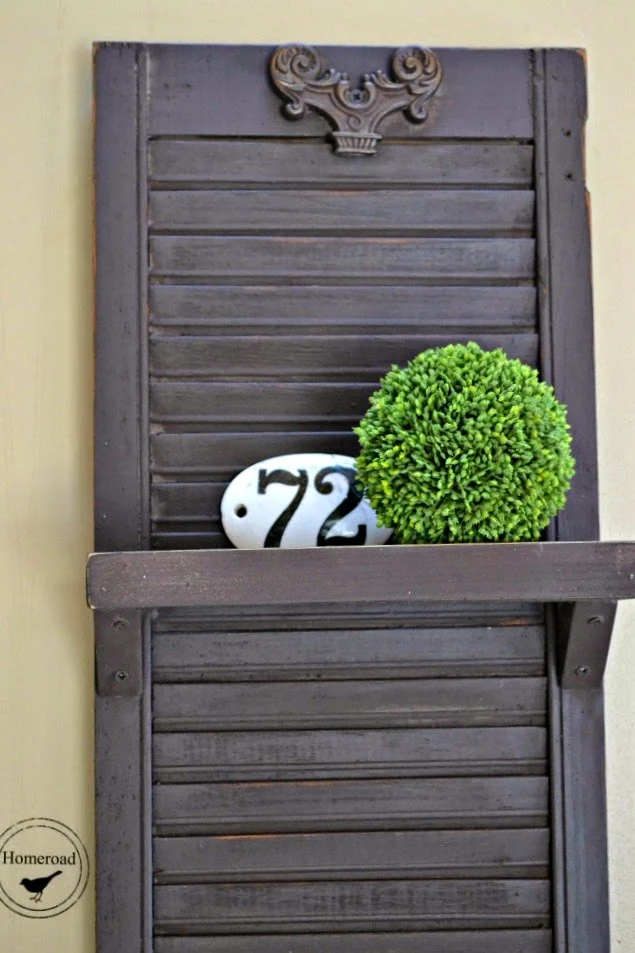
{"x": 220, "y": 656}
{"x": 221, "y": 456}
{"x": 187, "y": 502}
{"x": 483, "y": 941}
{"x": 355, "y": 856}
{"x": 212, "y": 162}
{"x": 193, "y": 757}
{"x": 458, "y": 212}
{"x": 375, "y": 260}
{"x": 347, "y": 359}
{"x": 440, "y": 703}
{"x": 436, "y": 904}
{"x": 319, "y": 309}
{"x": 276, "y": 807}
{"x": 275, "y": 406}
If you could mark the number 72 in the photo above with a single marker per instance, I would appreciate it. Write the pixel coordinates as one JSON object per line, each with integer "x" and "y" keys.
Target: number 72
{"x": 323, "y": 486}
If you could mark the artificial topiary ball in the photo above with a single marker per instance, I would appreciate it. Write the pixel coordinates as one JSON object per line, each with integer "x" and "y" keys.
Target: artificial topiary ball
{"x": 465, "y": 445}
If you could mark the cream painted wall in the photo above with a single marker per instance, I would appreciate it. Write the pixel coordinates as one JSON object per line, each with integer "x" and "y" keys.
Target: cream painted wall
{"x": 46, "y": 688}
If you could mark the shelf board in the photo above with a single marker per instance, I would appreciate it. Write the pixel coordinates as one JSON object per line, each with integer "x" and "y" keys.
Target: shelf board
{"x": 475, "y": 572}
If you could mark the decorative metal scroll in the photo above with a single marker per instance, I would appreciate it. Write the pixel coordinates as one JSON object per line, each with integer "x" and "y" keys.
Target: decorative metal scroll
{"x": 304, "y": 78}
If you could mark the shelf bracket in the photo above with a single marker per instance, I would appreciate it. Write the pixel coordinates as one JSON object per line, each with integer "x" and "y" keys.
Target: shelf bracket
{"x": 583, "y": 579}
{"x": 584, "y": 630}
{"x": 118, "y": 653}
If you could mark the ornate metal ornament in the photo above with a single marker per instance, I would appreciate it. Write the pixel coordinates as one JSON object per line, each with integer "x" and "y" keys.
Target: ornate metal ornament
{"x": 304, "y": 78}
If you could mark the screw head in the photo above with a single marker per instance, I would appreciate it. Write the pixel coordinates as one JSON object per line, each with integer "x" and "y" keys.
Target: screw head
{"x": 582, "y": 671}
{"x": 120, "y": 675}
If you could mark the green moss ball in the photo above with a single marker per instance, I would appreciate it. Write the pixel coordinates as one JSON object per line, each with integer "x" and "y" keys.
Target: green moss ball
{"x": 465, "y": 445}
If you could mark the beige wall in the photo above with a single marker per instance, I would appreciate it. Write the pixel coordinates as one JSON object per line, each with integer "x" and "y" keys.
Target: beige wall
{"x": 45, "y": 342}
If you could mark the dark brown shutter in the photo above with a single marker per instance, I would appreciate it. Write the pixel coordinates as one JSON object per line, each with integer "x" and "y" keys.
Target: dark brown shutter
{"x": 299, "y": 779}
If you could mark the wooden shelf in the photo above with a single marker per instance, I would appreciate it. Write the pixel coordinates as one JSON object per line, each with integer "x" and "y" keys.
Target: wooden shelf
{"x": 540, "y": 572}
{"x": 585, "y": 578}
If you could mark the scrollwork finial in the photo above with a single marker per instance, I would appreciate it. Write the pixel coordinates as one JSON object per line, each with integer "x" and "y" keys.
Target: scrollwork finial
{"x": 305, "y": 80}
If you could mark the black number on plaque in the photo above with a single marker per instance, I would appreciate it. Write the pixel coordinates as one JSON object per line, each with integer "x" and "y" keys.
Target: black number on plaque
{"x": 274, "y": 536}
{"x": 352, "y": 499}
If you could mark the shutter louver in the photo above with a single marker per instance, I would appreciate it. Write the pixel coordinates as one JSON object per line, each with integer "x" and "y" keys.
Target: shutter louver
{"x": 347, "y": 781}
{"x": 276, "y": 309}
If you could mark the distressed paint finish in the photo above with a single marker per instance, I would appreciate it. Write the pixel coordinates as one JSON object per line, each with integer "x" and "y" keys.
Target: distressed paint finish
{"x": 215, "y": 287}
{"x": 471, "y": 103}
{"x": 567, "y": 303}
{"x": 462, "y": 572}
{"x": 503, "y": 941}
{"x": 365, "y": 855}
{"x": 121, "y": 504}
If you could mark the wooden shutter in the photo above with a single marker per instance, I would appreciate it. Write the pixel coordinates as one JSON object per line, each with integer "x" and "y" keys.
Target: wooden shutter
{"x": 304, "y": 778}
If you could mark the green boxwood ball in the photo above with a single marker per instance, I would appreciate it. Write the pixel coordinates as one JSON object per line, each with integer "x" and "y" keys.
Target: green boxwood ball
{"x": 465, "y": 445}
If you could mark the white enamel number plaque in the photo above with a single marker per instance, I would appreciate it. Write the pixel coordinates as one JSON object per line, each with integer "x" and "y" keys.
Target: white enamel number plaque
{"x": 297, "y": 501}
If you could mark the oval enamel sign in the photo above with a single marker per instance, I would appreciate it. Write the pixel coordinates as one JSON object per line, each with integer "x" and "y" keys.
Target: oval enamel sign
{"x": 299, "y": 500}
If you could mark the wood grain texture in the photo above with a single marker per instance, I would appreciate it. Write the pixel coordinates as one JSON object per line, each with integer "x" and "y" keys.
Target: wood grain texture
{"x": 118, "y": 448}
{"x": 481, "y": 941}
{"x": 295, "y": 358}
{"x": 120, "y": 869}
{"x": 218, "y": 656}
{"x": 472, "y": 102}
{"x": 383, "y": 616}
{"x": 579, "y": 806}
{"x": 588, "y": 927}
{"x": 120, "y": 508}
{"x": 378, "y": 212}
{"x": 177, "y": 535}
{"x": 259, "y": 405}
{"x": 440, "y": 904}
{"x": 544, "y": 572}
{"x": 435, "y": 703}
{"x": 555, "y": 778}
{"x": 373, "y": 260}
{"x": 221, "y": 456}
{"x": 570, "y": 296}
{"x": 357, "y": 856}
{"x": 289, "y": 163}
{"x": 192, "y": 502}
{"x": 279, "y": 309}
{"x": 207, "y": 757}
{"x": 350, "y": 805}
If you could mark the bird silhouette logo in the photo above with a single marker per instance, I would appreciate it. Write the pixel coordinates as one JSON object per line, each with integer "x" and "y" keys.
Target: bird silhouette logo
{"x": 34, "y": 853}
{"x": 39, "y": 885}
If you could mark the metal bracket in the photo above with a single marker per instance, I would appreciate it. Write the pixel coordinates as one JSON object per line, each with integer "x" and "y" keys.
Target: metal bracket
{"x": 118, "y": 653}
{"x": 584, "y": 637}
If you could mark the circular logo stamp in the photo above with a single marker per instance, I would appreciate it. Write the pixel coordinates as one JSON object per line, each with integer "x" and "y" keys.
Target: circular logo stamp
{"x": 43, "y": 868}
